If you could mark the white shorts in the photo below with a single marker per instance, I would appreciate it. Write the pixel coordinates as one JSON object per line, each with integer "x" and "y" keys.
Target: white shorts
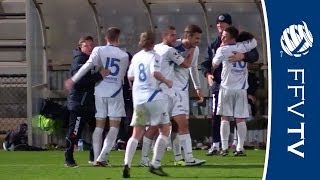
{"x": 112, "y": 107}
{"x": 175, "y": 106}
{"x": 150, "y": 113}
{"x": 184, "y": 98}
{"x": 233, "y": 102}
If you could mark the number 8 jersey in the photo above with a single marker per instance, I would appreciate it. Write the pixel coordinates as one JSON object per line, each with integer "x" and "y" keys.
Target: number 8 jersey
{"x": 145, "y": 87}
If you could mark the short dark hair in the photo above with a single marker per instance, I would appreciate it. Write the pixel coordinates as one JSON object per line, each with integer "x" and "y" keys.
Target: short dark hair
{"x": 244, "y": 36}
{"x": 113, "y": 34}
{"x": 84, "y": 38}
{"x": 147, "y": 39}
{"x": 234, "y": 32}
{"x": 192, "y": 29}
{"x": 167, "y": 29}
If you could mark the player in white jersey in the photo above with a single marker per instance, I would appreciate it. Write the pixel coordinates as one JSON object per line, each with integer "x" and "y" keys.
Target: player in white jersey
{"x": 150, "y": 104}
{"x": 191, "y": 39}
{"x": 108, "y": 93}
{"x": 233, "y": 102}
{"x": 170, "y": 58}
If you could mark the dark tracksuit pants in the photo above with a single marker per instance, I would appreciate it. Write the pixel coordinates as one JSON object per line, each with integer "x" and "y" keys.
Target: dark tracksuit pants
{"x": 77, "y": 120}
{"x": 216, "y": 119}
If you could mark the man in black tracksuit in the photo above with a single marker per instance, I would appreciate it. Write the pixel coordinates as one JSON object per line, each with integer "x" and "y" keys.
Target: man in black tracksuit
{"x": 81, "y": 98}
{"x": 223, "y": 21}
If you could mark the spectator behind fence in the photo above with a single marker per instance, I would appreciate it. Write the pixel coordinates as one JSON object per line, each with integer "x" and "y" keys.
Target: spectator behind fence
{"x": 17, "y": 140}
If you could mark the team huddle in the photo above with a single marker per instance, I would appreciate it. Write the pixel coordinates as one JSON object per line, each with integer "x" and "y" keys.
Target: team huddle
{"x": 159, "y": 77}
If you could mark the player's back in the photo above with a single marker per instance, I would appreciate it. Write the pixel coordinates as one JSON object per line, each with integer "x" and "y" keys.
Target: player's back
{"x": 116, "y": 60}
{"x": 145, "y": 87}
{"x": 233, "y": 75}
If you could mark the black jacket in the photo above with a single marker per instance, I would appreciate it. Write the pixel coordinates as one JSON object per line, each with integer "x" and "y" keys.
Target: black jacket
{"x": 206, "y": 66}
{"x": 81, "y": 97}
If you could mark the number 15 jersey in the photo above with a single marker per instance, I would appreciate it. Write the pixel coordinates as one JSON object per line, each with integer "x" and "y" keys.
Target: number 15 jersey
{"x": 117, "y": 61}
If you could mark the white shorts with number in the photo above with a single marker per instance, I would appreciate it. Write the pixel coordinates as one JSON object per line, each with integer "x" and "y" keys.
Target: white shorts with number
{"x": 150, "y": 113}
{"x": 112, "y": 107}
{"x": 233, "y": 102}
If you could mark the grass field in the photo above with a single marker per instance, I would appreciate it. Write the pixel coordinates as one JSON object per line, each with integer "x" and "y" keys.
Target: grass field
{"x": 50, "y": 165}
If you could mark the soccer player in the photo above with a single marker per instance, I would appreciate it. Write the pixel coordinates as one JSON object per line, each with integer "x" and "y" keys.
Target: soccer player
{"x": 108, "y": 93}
{"x": 191, "y": 39}
{"x": 233, "y": 102}
{"x": 150, "y": 104}
{"x": 170, "y": 58}
{"x": 223, "y": 21}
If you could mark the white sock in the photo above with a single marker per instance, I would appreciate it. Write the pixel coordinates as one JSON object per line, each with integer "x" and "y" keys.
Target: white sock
{"x": 242, "y": 133}
{"x": 235, "y": 137}
{"x": 108, "y": 143}
{"x": 169, "y": 144}
{"x": 224, "y": 133}
{"x": 130, "y": 150}
{"x": 97, "y": 142}
{"x": 176, "y": 146}
{"x": 153, "y": 141}
{"x": 159, "y": 149}
{"x": 216, "y": 145}
{"x": 146, "y": 145}
{"x": 186, "y": 144}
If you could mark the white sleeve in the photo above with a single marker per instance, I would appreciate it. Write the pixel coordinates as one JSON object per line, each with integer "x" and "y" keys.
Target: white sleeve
{"x": 194, "y": 69}
{"x": 175, "y": 56}
{"x": 125, "y": 64}
{"x": 155, "y": 64}
{"x": 247, "y": 46}
{"x": 218, "y": 57}
{"x": 95, "y": 57}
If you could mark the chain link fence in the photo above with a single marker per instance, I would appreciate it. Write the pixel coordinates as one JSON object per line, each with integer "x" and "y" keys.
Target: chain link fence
{"x": 13, "y": 104}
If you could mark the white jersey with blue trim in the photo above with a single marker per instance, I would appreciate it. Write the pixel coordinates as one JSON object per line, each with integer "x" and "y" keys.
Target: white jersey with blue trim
{"x": 234, "y": 75}
{"x": 117, "y": 61}
{"x": 145, "y": 87}
{"x": 181, "y": 80}
{"x": 169, "y": 59}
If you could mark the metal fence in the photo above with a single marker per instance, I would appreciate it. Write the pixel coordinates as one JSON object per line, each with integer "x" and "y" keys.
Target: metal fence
{"x": 13, "y": 104}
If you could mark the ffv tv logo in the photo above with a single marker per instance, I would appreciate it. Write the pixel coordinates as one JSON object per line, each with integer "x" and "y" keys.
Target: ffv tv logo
{"x": 296, "y": 40}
